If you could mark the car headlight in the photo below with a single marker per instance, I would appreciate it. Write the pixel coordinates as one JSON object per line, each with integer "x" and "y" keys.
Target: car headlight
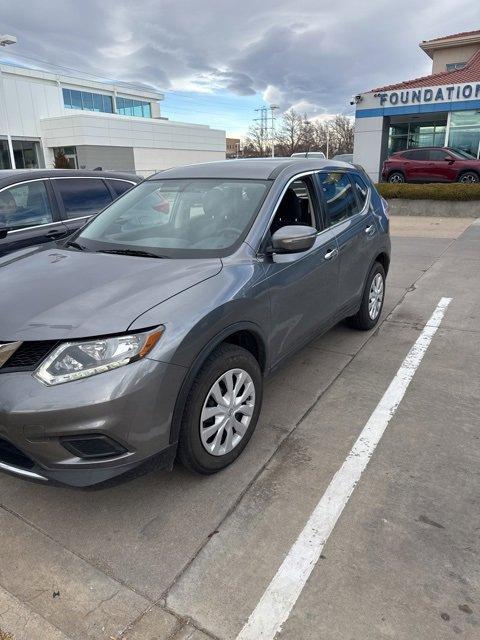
{"x": 81, "y": 359}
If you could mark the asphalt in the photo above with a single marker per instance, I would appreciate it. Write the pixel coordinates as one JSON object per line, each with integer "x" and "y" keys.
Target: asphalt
{"x": 171, "y": 556}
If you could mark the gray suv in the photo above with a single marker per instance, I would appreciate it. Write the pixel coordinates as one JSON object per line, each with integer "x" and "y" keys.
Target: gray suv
{"x": 147, "y": 334}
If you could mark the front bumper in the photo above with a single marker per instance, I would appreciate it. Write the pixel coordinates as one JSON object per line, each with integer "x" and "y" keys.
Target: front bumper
{"x": 132, "y": 405}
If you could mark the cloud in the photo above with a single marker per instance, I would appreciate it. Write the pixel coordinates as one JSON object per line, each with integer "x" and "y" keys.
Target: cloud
{"x": 311, "y": 54}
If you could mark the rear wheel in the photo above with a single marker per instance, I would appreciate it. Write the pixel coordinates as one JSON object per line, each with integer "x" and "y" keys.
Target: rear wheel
{"x": 469, "y": 177}
{"x": 221, "y": 411}
{"x": 372, "y": 301}
{"x": 396, "y": 177}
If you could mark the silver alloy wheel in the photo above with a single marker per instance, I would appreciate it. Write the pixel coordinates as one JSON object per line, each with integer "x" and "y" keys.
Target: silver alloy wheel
{"x": 375, "y": 296}
{"x": 396, "y": 178}
{"x": 469, "y": 178}
{"x": 227, "y": 412}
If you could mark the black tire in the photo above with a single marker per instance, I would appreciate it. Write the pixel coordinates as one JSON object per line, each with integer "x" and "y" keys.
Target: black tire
{"x": 191, "y": 451}
{"x": 396, "y": 177}
{"x": 362, "y": 319}
{"x": 469, "y": 177}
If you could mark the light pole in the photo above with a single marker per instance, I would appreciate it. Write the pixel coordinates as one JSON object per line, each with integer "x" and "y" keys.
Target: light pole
{"x": 272, "y": 113}
{"x": 4, "y": 41}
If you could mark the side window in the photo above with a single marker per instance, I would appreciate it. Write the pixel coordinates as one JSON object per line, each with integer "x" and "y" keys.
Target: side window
{"x": 416, "y": 154}
{"x": 296, "y": 206}
{"x": 25, "y": 205}
{"x": 120, "y": 186}
{"x": 438, "y": 154}
{"x": 360, "y": 189}
{"x": 83, "y": 196}
{"x": 340, "y": 199}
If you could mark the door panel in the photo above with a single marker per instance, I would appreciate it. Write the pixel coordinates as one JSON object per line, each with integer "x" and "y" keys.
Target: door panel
{"x": 441, "y": 166}
{"x": 303, "y": 294}
{"x": 80, "y": 198}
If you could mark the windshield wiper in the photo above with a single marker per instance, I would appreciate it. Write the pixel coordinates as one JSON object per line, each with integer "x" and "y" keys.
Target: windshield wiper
{"x": 132, "y": 252}
{"x": 75, "y": 245}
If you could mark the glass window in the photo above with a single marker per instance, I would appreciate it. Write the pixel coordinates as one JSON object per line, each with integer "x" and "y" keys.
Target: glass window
{"x": 83, "y": 196}
{"x": 4, "y": 155}
{"x": 296, "y": 206}
{"x": 465, "y": 131}
{"x": 416, "y": 154}
{"x": 339, "y": 196}
{"x": 147, "y": 110}
{"x": 25, "y": 154}
{"x": 128, "y": 107}
{"x": 178, "y": 218}
{"x": 361, "y": 189}
{"x": 87, "y": 101}
{"x": 25, "y": 205}
{"x": 120, "y": 186}
{"x": 454, "y": 66}
{"x": 438, "y": 154}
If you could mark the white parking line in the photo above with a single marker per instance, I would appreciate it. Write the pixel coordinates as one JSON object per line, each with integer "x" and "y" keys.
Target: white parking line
{"x": 283, "y": 591}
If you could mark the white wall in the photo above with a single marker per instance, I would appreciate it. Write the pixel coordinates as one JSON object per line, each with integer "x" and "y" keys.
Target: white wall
{"x": 367, "y": 147}
{"x": 147, "y": 161}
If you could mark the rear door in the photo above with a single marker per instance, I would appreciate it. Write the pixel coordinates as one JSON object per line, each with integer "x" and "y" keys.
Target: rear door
{"x": 349, "y": 216}
{"x": 29, "y": 214}
{"x": 416, "y": 165}
{"x": 80, "y": 198}
{"x": 119, "y": 187}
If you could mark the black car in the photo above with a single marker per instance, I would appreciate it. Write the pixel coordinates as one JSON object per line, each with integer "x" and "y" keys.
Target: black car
{"x": 41, "y": 205}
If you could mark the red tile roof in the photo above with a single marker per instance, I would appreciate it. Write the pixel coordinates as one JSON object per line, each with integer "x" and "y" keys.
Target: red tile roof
{"x": 469, "y": 73}
{"x": 455, "y": 35}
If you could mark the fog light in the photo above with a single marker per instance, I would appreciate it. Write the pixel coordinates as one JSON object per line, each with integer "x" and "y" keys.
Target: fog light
{"x": 92, "y": 446}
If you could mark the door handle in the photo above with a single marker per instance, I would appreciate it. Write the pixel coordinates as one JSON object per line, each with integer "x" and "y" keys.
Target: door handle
{"x": 370, "y": 230}
{"x": 331, "y": 253}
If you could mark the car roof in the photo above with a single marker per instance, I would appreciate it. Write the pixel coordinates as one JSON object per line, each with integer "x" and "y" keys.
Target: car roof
{"x": 10, "y": 176}
{"x": 250, "y": 168}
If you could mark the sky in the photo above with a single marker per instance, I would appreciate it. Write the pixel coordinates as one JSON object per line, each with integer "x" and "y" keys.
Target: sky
{"x": 217, "y": 61}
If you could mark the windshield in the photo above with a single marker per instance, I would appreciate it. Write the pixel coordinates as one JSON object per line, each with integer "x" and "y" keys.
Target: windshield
{"x": 177, "y": 218}
{"x": 463, "y": 154}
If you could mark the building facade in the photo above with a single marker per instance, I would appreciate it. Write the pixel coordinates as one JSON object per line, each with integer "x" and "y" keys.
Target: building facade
{"x": 442, "y": 109}
{"x": 233, "y": 147}
{"x": 95, "y": 124}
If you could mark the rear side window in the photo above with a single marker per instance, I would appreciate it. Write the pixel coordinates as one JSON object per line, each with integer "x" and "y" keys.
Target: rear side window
{"x": 25, "y": 205}
{"x": 120, "y": 186}
{"x": 340, "y": 199}
{"x": 360, "y": 189}
{"x": 83, "y": 196}
{"x": 416, "y": 154}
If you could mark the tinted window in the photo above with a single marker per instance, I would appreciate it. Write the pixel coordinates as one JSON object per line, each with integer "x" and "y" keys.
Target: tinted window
{"x": 361, "y": 189}
{"x": 83, "y": 196}
{"x": 120, "y": 186}
{"x": 438, "y": 154}
{"x": 25, "y": 205}
{"x": 339, "y": 196}
{"x": 416, "y": 154}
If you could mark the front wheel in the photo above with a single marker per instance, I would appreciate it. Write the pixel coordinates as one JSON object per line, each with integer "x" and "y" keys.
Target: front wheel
{"x": 469, "y": 177}
{"x": 221, "y": 411}
{"x": 372, "y": 301}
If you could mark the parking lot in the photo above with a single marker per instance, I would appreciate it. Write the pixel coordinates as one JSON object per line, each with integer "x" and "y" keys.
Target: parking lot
{"x": 177, "y": 556}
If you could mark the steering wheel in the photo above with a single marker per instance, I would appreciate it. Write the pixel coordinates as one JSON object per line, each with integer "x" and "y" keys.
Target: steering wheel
{"x": 229, "y": 231}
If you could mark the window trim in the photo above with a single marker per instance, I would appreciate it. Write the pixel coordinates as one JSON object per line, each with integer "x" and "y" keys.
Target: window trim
{"x": 56, "y": 217}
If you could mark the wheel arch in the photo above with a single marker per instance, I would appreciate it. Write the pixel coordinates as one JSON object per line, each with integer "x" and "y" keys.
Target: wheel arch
{"x": 244, "y": 334}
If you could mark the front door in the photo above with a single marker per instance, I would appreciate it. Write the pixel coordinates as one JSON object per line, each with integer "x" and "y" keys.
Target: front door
{"x": 441, "y": 166}
{"x": 302, "y": 286}
{"x": 27, "y": 216}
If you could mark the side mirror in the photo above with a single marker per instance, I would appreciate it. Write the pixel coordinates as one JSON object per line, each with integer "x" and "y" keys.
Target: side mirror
{"x": 450, "y": 160}
{"x": 293, "y": 239}
{"x": 3, "y": 232}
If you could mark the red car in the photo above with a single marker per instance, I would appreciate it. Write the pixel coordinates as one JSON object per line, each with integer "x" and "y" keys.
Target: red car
{"x": 431, "y": 164}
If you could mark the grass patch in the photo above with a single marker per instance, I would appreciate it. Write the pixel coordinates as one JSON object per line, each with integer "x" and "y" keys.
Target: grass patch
{"x": 453, "y": 191}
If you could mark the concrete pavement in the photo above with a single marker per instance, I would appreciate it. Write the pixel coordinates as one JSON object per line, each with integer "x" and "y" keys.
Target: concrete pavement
{"x": 178, "y": 556}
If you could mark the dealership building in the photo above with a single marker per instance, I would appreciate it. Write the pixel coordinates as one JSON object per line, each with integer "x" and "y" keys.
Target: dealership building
{"x": 441, "y": 109}
{"x": 96, "y": 124}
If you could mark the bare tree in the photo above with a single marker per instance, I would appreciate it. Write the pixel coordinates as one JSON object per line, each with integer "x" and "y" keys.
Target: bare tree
{"x": 256, "y": 143}
{"x": 290, "y": 137}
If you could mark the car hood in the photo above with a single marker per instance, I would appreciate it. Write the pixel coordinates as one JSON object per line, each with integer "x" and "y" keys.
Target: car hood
{"x": 61, "y": 294}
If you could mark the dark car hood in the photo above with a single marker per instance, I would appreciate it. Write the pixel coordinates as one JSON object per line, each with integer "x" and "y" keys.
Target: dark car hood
{"x": 58, "y": 293}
